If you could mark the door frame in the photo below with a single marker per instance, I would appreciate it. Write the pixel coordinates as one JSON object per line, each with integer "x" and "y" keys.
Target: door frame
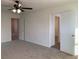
{"x": 52, "y": 29}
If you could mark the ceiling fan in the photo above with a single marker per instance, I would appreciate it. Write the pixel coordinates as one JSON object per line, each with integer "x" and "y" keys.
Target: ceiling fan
{"x": 17, "y": 7}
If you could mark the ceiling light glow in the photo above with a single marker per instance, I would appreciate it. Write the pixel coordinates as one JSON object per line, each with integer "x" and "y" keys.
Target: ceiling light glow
{"x": 18, "y": 11}
{"x": 19, "y": 5}
{"x": 14, "y": 10}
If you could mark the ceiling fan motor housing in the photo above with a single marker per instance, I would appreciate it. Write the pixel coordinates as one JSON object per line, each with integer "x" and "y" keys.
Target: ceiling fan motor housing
{"x": 17, "y": 1}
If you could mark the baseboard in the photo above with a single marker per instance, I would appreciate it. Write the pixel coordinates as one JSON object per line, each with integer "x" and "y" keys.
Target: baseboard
{"x": 63, "y": 51}
{"x": 6, "y": 41}
{"x": 37, "y": 43}
{"x": 67, "y": 53}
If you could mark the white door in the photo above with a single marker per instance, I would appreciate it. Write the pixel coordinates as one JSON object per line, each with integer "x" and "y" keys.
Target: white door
{"x": 67, "y": 30}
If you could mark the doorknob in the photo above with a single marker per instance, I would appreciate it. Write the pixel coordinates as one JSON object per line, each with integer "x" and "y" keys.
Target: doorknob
{"x": 73, "y": 36}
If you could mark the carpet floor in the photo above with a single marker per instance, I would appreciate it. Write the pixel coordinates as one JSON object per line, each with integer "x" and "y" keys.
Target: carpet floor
{"x": 26, "y": 50}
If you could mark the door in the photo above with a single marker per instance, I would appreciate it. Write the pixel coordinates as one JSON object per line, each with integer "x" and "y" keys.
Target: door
{"x": 15, "y": 28}
{"x": 67, "y": 30}
{"x": 57, "y": 32}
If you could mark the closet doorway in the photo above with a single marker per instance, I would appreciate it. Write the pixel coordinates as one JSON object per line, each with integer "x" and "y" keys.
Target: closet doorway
{"x": 15, "y": 28}
{"x": 57, "y": 32}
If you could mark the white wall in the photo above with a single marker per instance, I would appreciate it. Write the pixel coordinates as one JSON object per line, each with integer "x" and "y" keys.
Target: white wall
{"x": 5, "y": 26}
{"x": 6, "y": 16}
{"x": 21, "y": 27}
{"x": 38, "y": 26}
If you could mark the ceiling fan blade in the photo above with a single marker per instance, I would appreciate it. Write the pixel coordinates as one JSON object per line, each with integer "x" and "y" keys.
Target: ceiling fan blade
{"x": 22, "y": 10}
{"x": 9, "y": 9}
{"x": 27, "y": 8}
{"x": 15, "y": 5}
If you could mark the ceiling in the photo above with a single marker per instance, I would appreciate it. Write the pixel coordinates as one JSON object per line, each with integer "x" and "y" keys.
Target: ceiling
{"x": 37, "y": 4}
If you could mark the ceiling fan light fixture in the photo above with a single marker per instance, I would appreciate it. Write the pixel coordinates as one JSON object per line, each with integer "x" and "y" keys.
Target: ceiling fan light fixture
{"x": 18, "y": 11}
{"x": 19, "y": 5}
{"x": 14, "y": 10}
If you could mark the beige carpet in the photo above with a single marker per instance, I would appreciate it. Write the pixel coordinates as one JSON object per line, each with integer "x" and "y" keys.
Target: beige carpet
{"x": 25, "y": 50}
